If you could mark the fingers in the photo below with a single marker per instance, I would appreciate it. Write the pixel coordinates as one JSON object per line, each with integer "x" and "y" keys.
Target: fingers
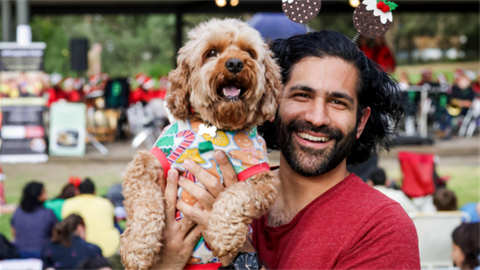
{"x": 229, "y": 174}
{"x": 186, "y": 223}
{"x": 193, "y": 237}
{"x": 207, "y": 179}
{"x": 161, "y": 181}
{"x": 171, "y": 194}
{"x": 203, "y": 196}
{"x": 194, "y": 214}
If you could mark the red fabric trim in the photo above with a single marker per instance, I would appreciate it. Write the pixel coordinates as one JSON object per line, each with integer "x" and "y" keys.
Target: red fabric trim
{"x": 208, "y": 266}
{"x": 162, "y": 158}
{"x": 263, "y": 167}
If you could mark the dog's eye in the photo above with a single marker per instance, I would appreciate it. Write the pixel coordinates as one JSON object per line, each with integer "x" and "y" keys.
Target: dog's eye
{"x": 212, "y": 53}
{"x": 251, "y": 53}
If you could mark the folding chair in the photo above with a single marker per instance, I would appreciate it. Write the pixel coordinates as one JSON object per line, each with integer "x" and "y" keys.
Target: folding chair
{"x": 434, "y": 232}
{"x": 469, "y": 123}
{"x": 417, "y": 170}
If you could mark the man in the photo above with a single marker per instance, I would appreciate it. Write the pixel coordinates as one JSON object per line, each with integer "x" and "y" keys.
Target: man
{"x": 378, "y": 180}
{"x": 98, "y": 214}
{"x": 334, "y": 111}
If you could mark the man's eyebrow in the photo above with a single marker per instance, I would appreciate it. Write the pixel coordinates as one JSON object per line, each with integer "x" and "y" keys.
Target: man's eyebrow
{"x": 341, "y": 95}
{"x": 301, "y": 87}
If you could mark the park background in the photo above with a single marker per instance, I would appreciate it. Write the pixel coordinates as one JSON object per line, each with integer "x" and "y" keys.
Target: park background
{"x": 145, "y": 43}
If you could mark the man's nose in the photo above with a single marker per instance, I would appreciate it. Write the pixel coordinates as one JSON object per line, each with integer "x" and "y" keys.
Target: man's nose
{"x": 318, "y": 114}
{"x": 234, "y": 65}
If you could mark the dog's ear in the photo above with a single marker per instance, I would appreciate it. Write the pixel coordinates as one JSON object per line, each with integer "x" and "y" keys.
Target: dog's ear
{"x": 178, "y": 92}
{"x": 270, "y": 99}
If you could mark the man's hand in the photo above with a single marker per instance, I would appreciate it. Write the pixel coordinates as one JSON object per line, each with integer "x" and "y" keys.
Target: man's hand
{"x": 179, "y": 237}
{"x": 206, "y": 198}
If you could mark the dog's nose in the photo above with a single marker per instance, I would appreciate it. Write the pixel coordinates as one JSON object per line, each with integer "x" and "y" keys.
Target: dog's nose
{"x": 234, "y": 65}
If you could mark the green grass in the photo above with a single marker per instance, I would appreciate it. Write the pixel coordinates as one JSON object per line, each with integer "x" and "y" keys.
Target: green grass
{"x": 464, "y": 181}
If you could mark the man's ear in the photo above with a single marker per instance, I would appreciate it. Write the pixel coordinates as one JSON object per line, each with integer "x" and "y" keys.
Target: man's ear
{"x": 363, "y": 121}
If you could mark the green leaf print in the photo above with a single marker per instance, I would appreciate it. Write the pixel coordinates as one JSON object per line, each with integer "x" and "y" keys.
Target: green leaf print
{"x": 172, "y": 130}
{"x": 253, "y": 132}
{"x": 165, "y": 142}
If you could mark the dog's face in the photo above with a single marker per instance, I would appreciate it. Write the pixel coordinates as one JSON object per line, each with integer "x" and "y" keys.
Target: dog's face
{"x": 225, "y": 76}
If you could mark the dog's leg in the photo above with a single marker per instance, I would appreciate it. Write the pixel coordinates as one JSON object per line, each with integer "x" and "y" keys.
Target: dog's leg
{"x": 144, "y": 203}
{"x": 234, "y": 210}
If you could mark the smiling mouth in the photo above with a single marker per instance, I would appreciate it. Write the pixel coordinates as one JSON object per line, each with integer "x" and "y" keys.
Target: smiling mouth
{"x": 312, "y": 138}
{"x": 231, "y": 92}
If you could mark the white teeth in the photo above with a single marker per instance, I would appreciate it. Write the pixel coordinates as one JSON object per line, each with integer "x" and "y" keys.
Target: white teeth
{"x": 225, "y": 92}
{"x": 312, "y": 138}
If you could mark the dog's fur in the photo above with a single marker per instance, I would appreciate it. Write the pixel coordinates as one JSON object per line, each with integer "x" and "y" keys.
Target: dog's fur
{"x": 195, "y": 94}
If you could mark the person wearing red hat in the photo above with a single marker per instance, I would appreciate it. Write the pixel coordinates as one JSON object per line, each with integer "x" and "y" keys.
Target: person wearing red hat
{"x": 70, "y": 190}
{"x": 150, "y": 91}
{"x": 137, "y": 94}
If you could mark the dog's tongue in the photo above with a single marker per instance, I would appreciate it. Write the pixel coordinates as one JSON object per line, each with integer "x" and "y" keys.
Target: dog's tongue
{"x": 231, "y": 91}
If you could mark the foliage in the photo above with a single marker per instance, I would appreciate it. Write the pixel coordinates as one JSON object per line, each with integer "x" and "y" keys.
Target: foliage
{"x": 131, "y": 44}
{"x": 146, "y": 43}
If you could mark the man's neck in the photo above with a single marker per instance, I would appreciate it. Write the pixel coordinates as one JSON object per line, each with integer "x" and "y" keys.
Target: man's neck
{"x": 297, "y": 191}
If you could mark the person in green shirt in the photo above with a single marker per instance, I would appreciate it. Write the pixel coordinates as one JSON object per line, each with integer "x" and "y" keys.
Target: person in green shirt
{"x": 68, "y": 191}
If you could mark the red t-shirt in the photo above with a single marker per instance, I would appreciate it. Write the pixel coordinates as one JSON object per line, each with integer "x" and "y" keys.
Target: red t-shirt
{"x": 351, "y": 226}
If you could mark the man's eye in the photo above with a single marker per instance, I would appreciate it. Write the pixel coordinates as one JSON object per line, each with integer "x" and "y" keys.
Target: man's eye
{"x": 339, "y": 102}
{"x": 212, "y": 53}
{"x": 302, "y": 95}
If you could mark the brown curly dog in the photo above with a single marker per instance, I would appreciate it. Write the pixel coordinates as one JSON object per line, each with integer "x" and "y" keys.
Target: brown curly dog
{"x": 226, "y": 77}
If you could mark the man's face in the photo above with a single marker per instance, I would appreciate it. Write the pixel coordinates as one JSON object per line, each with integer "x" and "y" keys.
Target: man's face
{"x": 316, "y": 120}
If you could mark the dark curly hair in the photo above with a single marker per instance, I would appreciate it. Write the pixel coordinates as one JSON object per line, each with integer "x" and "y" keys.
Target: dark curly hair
{"x": 467, "y": 237}
{"x": 376, "y": 88}
{"x": 30, "y": 194}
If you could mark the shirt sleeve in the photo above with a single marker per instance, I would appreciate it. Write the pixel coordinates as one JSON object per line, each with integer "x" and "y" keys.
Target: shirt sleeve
{"x": 386, "y": 241}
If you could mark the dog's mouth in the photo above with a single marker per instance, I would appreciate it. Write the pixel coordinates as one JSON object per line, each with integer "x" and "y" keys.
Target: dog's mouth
{"x": 231, "y": 91}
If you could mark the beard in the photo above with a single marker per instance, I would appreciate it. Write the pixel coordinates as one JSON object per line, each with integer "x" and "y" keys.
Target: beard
{"x": 309, "y": 161}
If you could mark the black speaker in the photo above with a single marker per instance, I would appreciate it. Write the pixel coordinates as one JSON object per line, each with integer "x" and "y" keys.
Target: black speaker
{"x": 78, "y": 54}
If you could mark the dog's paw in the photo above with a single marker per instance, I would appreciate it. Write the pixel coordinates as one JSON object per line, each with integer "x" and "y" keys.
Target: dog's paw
{"x": 143, "y": 163}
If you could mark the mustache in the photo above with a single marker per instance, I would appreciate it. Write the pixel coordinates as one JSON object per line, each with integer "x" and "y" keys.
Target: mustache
{"x": 331, "y": 132}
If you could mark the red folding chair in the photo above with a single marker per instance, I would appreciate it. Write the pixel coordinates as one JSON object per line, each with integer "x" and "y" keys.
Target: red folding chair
{"x": 417, "y": 170}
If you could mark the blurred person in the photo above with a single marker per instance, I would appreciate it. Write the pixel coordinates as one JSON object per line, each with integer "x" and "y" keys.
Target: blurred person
{"x": 94, "y": 59}
{"x": 149, "y": 92}
{"x": 3, "y": 177}
{"x": 427, "y": 77}
{"x": 476, "y": 84}
{"x": 471, "y": 211}
{"x": 7, "y": 249}
{"x": 466, "y": 241}
{"x": 95, "y": 263}
{"x": 379, "y": 181}
{"x": 412, "y": 97}
{"x": 404, "y": 81}
{"x": 68, "y": 191}
{"x": 98, "y": 214}
{"x": 445, "y": 200}
{"x": 32, "y": 223}
{"x": 460, "y": 99}
{"x": 364, "y": 46}
{"x": 383, "y": 55}
{"x": 68, "y": 247}
{"x": 136, "y": 95}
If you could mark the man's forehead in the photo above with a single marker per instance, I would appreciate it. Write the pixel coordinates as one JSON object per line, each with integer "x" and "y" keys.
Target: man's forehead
{"x": 324, "y": 75}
